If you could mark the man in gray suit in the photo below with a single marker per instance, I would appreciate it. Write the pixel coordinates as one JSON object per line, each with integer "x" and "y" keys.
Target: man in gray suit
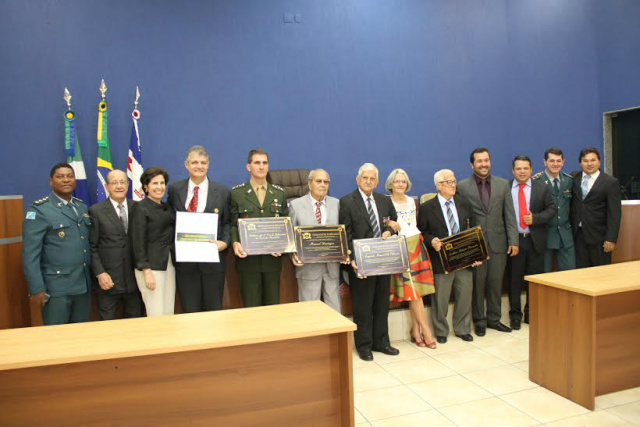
{"x": 316, "y": 208}
{"x": 492, "y": 206}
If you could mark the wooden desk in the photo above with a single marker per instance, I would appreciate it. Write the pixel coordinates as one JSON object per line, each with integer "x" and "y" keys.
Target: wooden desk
{"x": 267, "y": 366}
{"x": 584, "y": 335}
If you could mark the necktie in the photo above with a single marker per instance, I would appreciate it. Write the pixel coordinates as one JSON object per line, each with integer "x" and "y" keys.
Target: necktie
{"x": 193, "y": 204}
{"x": 122, "y": 214}
{"x": 522, "y": 205}
{"x": 452, "y": 221}
{"x": 318, "y": 213}
{"x": 585, "y": 185}
{"x": 556, "y": 188}
{"x": 372, "y": 219}
{"x": 260, "y": 194}
{"x": 484, "y": 195}
{"x": 73, "y": 208}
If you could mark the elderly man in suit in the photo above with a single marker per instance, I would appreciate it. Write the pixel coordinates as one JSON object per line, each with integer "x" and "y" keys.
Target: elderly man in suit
{"x": 492, "y": 208}
{"x": 534, "y": 209}
{"x": 316, "y": 208}
{"x": 201, "y": 284}
{"x": 596, "y": 211}
{"x": 367, "y": 214}
{"x": 111, "y": 256}
{"x": 443, "y": 216}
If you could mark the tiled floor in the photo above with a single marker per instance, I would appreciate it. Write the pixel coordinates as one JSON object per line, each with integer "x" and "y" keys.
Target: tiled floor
{"x": 483, "y": 383}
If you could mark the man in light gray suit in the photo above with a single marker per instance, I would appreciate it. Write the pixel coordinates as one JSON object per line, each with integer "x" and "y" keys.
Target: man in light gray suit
{"x": 492, "y": 206}
{"x": 316, "y": 208}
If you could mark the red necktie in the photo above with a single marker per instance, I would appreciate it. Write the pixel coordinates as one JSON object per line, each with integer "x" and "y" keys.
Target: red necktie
{"x": 522, "y": 205}
{"x": 193, "y": 204}
{"x": 318, "y": 213}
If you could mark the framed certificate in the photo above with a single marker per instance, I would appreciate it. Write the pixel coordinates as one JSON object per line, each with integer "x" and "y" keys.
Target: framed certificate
{"x": 463, "y": 249}
{"x": 378, "y": 256}
{"x": 261, "y": 236}
{"x": 195, "y": 234}
{"x": 321, "y": 243}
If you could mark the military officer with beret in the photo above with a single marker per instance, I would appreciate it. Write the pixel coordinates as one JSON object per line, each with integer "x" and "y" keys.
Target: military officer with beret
{"x": 56, "y": 257}
{"x": 559, "y": 233}
{"x": 257, "y": 198}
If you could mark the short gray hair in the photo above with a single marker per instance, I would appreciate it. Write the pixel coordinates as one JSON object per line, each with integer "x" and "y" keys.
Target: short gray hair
{"x": 367, "y": 167}
{"x": 197, "y": 149}
{"x": 437, "y": 177}
{"x": 392, "y": 176}
{"x": 315, "y": 171}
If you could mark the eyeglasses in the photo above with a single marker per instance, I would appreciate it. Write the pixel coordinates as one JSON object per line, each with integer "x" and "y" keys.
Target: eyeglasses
{"x": 449, "y": 182}
{"x": 322, "y": 181}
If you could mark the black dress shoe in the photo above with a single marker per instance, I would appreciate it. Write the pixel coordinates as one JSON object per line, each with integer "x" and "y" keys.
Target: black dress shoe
{"x": 515, "y": 324}
{"x": 441, "y": 339}
{"x": 481, "y": 331}
{"x": 465, "y": 337}
{"x": 500, "y": 327}
{"x": 387, "y": 350}
{"x": 366, "y": 355}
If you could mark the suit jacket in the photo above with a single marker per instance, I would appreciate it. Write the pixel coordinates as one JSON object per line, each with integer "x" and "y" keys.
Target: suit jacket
{"x": 499, "y": 222}
{"x": 302, "y": 212}
{"x": 543, "y": 210}
{"x": 152, "y": 231}
{"x": 559, "y": 232}
{"x": 110, "y": 247}
{"x": 354, "y": 215}
{"x": 432, "y": 223}
{"x": 217, "y": 202}
{"x": 600, "y": 212}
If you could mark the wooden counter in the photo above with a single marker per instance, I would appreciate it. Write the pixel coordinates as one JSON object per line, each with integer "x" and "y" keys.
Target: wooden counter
{"x": 584, "y": 331}
{"x": 267, "y": 366}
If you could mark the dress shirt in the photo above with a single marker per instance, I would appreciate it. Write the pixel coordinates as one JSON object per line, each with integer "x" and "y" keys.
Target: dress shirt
{"x": 515, "y": 189}
{"x": 323, "y": 209}
{"x": 592, "y": 180}
{"x": 68, "y": 202}
{"x": 452, "y": 205}
{"x": 124, "y": 205}
{"x": 203, "y": 190}
{"x": 487, "y": 183}
{"x": 373, "y": 206}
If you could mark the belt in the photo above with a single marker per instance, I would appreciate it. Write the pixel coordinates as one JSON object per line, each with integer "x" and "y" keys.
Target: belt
{"x": 524, "y": 234}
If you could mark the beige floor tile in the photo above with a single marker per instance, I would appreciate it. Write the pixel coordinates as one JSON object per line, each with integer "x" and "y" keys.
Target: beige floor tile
{"x": 544, "y": 405}
{"x": 511, "y": 352}
{"x": 389, "y": 402}
{"x": 419, "y": 419}
{"x": 363, "y": 425}
{"x": 449, "y": 391}
{"x": 493, "y": 338}
{"x": 524, "y": 365}
{"x": 453, "y": 344}
{"x": 372, "y": 377}
{"x": 358, "y": 417}
{"x": 501, "y": 379}
{"x": 413, "y": 371}
{"x": 630, "y": 412}
{"x": 359, "y": 363}
{"x": 468, "y": 361}
{"x": 593, "y": 419}
{"x": 522, "y": 333}
{"x": 618, "y": 398}
{"x": 408, "y": 351}
{"x": 396, "y": 325}
{"x": 491, "y": 412}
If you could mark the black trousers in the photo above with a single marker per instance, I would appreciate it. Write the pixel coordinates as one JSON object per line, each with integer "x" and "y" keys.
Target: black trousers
{"x": 131, "y": 303}
{"x": 199, "y": 290}
{"x": 528, "y": 261}
{"x": 370, "y": 310}
{"x": 259, "y": 289}
{"x": 589, "y": 255}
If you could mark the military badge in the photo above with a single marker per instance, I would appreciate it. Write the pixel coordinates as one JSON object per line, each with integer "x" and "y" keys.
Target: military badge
{"x": 31, "y": 215}
{"x": 61, "y": 234}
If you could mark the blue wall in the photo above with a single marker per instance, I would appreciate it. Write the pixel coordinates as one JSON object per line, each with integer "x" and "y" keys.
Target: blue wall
{"x": 415, "y": 84}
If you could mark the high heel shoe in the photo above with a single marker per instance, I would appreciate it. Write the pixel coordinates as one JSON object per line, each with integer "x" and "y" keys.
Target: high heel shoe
{"x": 418, "y": 343}
{"x": 432, "y": 345}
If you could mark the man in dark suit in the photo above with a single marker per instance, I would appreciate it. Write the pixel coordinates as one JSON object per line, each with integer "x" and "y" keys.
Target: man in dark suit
{"x": 534, "y": 209}
{"x": 492, "y": 206}
{"x": 111, "y": 256}
{"x": 445, "y": 215}
{"x": 596, "y": 211}
{"x": 365, "y": 214}
{"x": 201, "y": 284}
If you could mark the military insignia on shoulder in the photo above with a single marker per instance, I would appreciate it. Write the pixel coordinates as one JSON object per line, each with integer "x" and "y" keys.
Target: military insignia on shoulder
{"x": 567, "y": 175}
{"x": 277, "y": 187}
{"x": 41, "y": 201}
{"x": 537, "y": 176}
{"x": 77, "y": 200}
{"x": 30, "y": 215}
{"x": 239, "y": 186}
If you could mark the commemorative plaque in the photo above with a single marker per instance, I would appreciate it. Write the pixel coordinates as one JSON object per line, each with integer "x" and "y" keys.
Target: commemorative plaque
{"x": 463, "y": 249}
{"x": 321, "y": 243}
{"x": 378, "y": 256}
{"x": 260, "y": 236}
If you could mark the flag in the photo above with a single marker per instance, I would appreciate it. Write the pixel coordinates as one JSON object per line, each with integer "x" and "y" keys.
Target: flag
{"x": 74, "y": 157}
{"x": 134, "y": 161}
{"x": 104, "y": 153}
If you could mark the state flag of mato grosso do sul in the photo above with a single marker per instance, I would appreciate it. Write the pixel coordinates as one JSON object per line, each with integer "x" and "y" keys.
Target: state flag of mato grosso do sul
{"x": 104, "y": 165}
{"x": 74, "y": 157}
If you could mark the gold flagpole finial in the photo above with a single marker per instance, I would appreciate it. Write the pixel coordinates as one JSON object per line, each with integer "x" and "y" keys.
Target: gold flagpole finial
{"x": 135, "y": 104}
{"x": 67, "y": 97}
{"x": 103, "y": 89}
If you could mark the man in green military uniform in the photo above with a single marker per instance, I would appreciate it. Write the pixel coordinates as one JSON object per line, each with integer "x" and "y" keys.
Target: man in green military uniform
{"x": 56, "y": 257}
{"x": 559, "y": 233}
{"x": 259, "y": 274}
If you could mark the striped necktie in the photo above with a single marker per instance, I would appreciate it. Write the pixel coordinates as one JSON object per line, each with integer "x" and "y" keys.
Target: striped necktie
{"x": 452, "y": 220}
{"x": 372, "y": 219}
{"x": 585, "y": 185}
{"x": 318, "y": 212}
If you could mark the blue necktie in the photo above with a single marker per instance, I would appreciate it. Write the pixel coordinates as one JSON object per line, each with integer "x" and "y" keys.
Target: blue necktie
{"x": 372, "y": 219}
{"x": 585, "y": 185}
{"x": 452, "y": 221}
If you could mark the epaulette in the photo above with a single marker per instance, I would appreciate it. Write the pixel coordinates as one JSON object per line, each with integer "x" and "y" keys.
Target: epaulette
{"x": 239, "y": 186}
{"x": 537, "y": 176}
{"x": 567, "y": 174}
{"x": 41, "y": 201}
{"x": 77, "y": 200}
{"x": 277, "y": 187}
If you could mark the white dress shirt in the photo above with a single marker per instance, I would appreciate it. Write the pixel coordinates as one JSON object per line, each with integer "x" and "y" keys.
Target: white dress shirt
{"x": 373, "y": 206}
{"x": 202, "y": 194}
{"x": 452, "y": 206}
{"x": 323, "y": 209}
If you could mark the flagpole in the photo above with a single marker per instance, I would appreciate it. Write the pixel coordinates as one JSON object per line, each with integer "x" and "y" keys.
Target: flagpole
{"x": 104, "y": 165}
{"x": 134, "y": 159}
{"x": 72, "y": 150}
